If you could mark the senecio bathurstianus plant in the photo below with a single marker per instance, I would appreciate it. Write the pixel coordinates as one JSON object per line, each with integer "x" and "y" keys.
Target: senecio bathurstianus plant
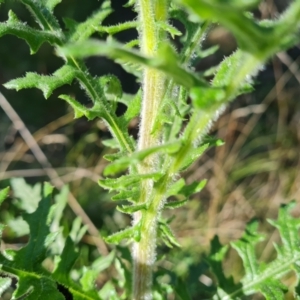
{"x": 172, "y": 134}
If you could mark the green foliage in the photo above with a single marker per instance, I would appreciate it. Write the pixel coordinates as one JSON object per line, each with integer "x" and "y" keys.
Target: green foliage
{"x": 165, "y": 62}
{"x": 260, "y": 277}
{"x": 3, "y": 194}
{"x": 124, "y": 162}
{"x": 25, "y": 264}
{"x": 27, "y": 197}
{"x": 36, "y": 280}
{"x": 73, "y": 68}
{"x": 172, "y": 137}
{"x": 252, "y": 37}
{"x": 47, "y": 84}
{"x": 33, "y": 37}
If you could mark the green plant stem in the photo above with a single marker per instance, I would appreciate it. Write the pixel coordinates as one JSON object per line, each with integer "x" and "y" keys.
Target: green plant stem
{"x": 154, "y": 90}
{"x": 199, "y": 124}
{"x": 152, "y": 79}
{"x": 143, "y": 252}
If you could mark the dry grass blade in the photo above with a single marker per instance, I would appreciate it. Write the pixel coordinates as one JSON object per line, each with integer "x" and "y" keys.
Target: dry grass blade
{"x": 18, "y": 151}
{"x": 71, "y": 174}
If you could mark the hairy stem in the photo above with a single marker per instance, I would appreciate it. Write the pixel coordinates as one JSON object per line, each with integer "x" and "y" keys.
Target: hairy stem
{"x": 143, "y": 252}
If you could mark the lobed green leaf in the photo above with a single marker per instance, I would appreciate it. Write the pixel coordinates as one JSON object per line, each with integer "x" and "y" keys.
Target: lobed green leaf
{"x": 126, "y": 181}
{"x": 33, "y": 37}
{"x": 175, "y": 187}
{"x": 110, "y": 143}
{"x": 42, "y": 11}
{"x": 80, "y": 110}
{"x": 65, "y": 263}
{"x": 26, "y": 197}
{"x": 118, "y": 51}
{"x": 47, "y": 84}
{"x": 253, "y": 37}
{"x": 246, "y": 249}
{"x": 113, "y": 156}
{"x": 99, "y": 265}
{"x": 206, "y": 98}
{"x": 228, "y": 69}
{"x": 35, "y": 282}
{"x": 195, "y": 187}
{"x": 173, "y": 31}
{"x": 128, "y": 233}
{"x": 82, "y": 31}
{"x": 129, "y": 209}
{"x": 134, "y": 107}
{"x": 175, "y": 204}
{"x": 259, "y": 277}
{"x": 193, "y": 155}
{"x": 167, "y": 234}
{"x": 131, "y": 195}
{"x": 124, "y": 162}
{"x": 180, "y": 188}
{"x": 215, "y": 258}
{"x": 288, "y": 228}
{"x": 102, "y": 108}
{"x": 25, "y": 263}
{"x": 113, "y": 29}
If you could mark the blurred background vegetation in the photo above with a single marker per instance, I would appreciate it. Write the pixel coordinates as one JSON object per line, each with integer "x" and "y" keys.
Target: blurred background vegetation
{"x": 255, "y": 171}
